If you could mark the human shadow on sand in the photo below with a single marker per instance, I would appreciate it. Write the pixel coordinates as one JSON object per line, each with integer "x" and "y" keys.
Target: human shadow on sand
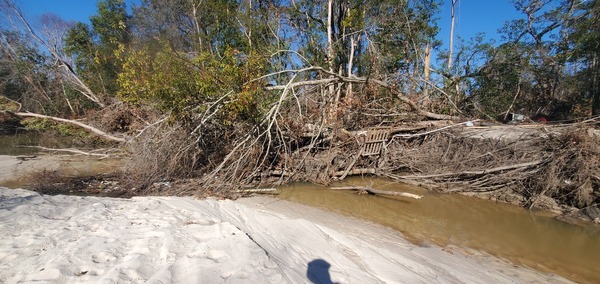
{"x": 318, "y": 272}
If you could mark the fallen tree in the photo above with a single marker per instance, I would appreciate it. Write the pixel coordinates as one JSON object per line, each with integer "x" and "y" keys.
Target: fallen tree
{"x": 89, "y": 128}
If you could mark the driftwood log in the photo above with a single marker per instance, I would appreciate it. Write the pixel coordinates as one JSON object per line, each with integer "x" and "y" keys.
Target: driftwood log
{"x": 257, "y": 190}
{"x": 377, "y": 191}
{"x": 68, "y": 150}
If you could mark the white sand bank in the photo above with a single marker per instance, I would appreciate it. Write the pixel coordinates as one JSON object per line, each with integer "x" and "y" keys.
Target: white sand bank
{"x": 69, "y": 239}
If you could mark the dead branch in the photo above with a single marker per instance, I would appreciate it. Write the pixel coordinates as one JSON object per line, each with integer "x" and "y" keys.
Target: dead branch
{"x": 352, "y": 164}
{"x": 336, "y": 78}
{"x": 377, "y": 191}
{"x": 356, "y": 172}
{"x": 406, "y": 128}
{"x": 257, "y": 190}
{"x": 69, "y": 150}
{"x": 432, "y": 131}
{"x": 490, "y": 171}
{"x": 73, "y": 122}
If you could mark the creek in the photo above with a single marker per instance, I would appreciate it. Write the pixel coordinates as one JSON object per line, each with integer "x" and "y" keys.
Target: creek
{"x": 18, "y": 172}
{"x": 17, "y": 144}
{"x": 532, "y": 239}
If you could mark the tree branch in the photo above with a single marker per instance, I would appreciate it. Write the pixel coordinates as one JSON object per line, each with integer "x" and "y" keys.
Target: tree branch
{"x": 73, "y": 122}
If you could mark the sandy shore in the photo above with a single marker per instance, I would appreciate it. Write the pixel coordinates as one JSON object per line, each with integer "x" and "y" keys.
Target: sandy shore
{"x": 68, "y": 239}
{"x": 16, "y": 171}
{"x": 12, "y": 168}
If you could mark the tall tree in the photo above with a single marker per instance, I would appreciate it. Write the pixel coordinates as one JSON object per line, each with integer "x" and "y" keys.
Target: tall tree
{"x": 544, "y": 46}
{"x": 65, "y": 70}
{"x": 451, "y": 42}
{"x": 582, "y": 48}
{"x": 98, "y": 48}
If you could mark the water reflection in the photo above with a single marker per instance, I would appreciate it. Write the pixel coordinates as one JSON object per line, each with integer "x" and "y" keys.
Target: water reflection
{"x": 16, "y": 144}
{"x": 507, "y": 231}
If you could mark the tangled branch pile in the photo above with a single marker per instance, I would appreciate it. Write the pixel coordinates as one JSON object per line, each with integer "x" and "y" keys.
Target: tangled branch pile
{"x": 562, "y": 163}
{"x": 305, "y": 135}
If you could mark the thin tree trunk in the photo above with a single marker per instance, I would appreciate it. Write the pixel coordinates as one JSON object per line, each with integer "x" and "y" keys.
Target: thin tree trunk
{"x": 67, "y": 98}
{"x": 451, "y": 34}
{"x": 196, "y": 23}
{"x": 330, "y": 61}
{"x": 353, "y": 41}
{"x": 73, "y": 122}
{"x": 330, "y": 35}
{"x": 427, "y": 72}
{"x": 514, "y": 98}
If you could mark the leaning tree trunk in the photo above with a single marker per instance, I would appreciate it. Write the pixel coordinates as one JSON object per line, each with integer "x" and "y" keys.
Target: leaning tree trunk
{"x": 73, "y": 122}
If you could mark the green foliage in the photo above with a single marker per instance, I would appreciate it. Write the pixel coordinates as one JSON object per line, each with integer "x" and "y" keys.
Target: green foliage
{"x": 110, "y": 24}
{"x": 402, "y": 28}
{"x": 79, "y": 43}
{"x": 582, "y": 51}
{"x": 29, "y": 76}
{"x": 500, "y": 78}
{"x": 546, "y": 63}
{"x": 39, "y": 124}
{"x": 98, "y": 49}
{"x": 195, "y": 25}
{"x": 181, "y": 84}
{"x": 7, "y": 104}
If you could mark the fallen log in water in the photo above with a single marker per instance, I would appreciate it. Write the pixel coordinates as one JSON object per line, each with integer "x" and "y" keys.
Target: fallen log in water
{"x": 73, "y": 151}
{"x": 377, "y": 191}
{"x": 257, "y": 190}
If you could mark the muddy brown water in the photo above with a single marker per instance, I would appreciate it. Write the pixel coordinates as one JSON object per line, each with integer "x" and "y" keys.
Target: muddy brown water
{"x": 523, "y": 237}
{"x": 22, "y": 173}
{"x": 17, "y": 144}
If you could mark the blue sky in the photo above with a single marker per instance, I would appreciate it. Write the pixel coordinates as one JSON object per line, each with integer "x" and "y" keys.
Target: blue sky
{"x": 75, "y": 10}
{"x": 475, "y": 16}
{"x": 472, "y": 16}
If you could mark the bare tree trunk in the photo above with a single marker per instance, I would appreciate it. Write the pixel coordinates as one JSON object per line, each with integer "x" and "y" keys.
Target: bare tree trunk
{"x": 67, "y": 97}
{"x": 451, "y": 34}
{"x": 514, "y": 99}
{"x": 73, "y": 122}
{"x": 353, "y": 41}
{"x": 330, "y": 35}
{"x": 427, "y": 73}
{"x": 330, "y": 61}
{"x": 196, "y": 23}
{"x": 596, "y": 103}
